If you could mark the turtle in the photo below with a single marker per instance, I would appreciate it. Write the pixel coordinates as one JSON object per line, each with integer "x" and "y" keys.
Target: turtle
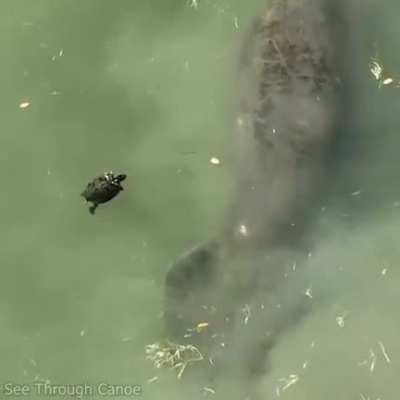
{"x": 102, "y": 189}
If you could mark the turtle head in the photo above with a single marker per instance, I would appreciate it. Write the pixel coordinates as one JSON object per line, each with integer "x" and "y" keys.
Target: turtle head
{"x": 119, "y": 178}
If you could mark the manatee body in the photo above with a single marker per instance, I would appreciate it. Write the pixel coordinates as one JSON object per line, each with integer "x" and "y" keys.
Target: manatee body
{"x": 290, "y": 83}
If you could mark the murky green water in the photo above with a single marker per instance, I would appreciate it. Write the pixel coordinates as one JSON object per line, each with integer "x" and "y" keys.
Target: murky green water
{"x": 147, "y": 88}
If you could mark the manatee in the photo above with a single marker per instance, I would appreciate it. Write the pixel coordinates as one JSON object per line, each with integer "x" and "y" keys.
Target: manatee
{"x": 291, "y": 79}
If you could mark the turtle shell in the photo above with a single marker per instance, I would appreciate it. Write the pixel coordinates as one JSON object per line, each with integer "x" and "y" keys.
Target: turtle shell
{"x": 103, "y": 188}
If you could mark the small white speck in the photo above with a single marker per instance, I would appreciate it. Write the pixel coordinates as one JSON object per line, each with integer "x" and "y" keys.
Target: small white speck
{"x": 236, "y": 23}
{"x": 24, "y": 104}
{"x": 356, "y": 193}
{"x": 341, "y": 318}
{"x": 387, "y": 81}
{"x": 384, "y": 271}
{"x": 193, "y": 4}
{"x": 60, "y": 53}
{"x": 308, "y": 292}
{"x": 243, "y": 230}
{"x": 215, "y": 161}
{"x": 340, "y": 321}
{"x": 82, "y": 333}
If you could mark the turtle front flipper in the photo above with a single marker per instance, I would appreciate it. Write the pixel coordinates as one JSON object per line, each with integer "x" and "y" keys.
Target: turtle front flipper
{"x": 92, "y": 208}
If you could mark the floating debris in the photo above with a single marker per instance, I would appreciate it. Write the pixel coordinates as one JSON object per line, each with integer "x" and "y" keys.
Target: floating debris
{"x": 340, "y": 319}
{"x": 173, "y": 356}
{"x": 362, "y": 397}
{"x": 246, "y": 312}
{"x": 82, "y": 332}
{"x": 193, "y": 4}
{"x": 379, "y": 73}
{"x": 372, "y": 357}
{"x": 384, "y": 271}
{"x": 236, "y": 23}
{"x": 153, "y": 379}
{"x": 387, "y": 81}
{"x": 308, "y": 292}
{"x": 371, "y": 360}
{"x": 243, "y": 230}
{"x": 384, "y": 353}
{"x": 286, "y": 383}
{"x": 24, "y": 104}
{"x": 376, "y": 69}
{"x": 356, "y": 193}
{"x": 208, "y": 390}
{"x": 33, "y": 362}
{"x": 201, "y": 326}
{"x": 215, "y": 161}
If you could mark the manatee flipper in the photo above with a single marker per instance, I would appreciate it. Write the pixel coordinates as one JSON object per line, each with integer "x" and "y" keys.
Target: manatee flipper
{"x": 186, "y": 282}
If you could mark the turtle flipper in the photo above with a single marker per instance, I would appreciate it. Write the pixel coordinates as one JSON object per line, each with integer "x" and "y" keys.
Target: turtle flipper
{"x": 92, "y": 208}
